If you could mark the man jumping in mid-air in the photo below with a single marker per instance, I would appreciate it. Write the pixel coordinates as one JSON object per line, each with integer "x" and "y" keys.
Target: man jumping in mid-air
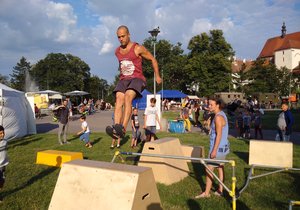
{"x": 132, "y": 81}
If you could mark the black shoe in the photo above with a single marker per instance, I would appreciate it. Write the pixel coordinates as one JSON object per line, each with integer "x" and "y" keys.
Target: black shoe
{"x": 119, "y": 130}
{"x": 111, "y": 132}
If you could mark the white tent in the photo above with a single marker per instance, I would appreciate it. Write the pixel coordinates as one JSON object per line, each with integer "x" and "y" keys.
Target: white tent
{"x": 16, "y": 115}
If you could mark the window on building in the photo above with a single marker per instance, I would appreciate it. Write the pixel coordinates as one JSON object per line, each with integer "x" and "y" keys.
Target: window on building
{"x": 228, "y": 96}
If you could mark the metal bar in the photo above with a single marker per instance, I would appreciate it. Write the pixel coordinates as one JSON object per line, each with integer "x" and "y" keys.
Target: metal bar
{"x": 265, "y": 174}
{"x": 176, "y": 157}
{"x": 292, "y": 203}
{"x": 287, "y": 168}
{"x": 202, "y": 160}
{"x": 216, "y": 177}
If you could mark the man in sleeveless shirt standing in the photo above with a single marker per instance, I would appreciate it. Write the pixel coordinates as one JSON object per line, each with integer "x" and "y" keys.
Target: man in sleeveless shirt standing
{"x": 132, "y": 81}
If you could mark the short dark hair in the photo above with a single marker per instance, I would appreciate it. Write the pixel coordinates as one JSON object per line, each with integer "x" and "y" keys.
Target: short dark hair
{"x": 123, "y": 27}
{"x": 153, "y": 100}
{"x": 285, "y": 103}
{"x": 218, "y": 101}
{"x": 83, "y": 117}
{"x": 1, "y": 128}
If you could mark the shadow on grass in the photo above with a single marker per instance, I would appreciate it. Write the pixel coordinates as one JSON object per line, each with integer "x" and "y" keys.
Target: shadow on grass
{"x": 124, "y": 140}
{"x": 199, "y": 171}
{"x": 17, "y": 143}
{"x": 193, "y": 205}
{"x": 37, "y": 177}
{"x": 45, "y": 127}
{"x": 96, "y": 141}
{"x": 243, "y": 155}
{"x": 240, "y": 205}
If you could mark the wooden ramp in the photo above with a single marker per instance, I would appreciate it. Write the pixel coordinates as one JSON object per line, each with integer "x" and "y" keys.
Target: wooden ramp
{"x": 89, "y": 185}
{"x": 271, "y": 153}
{"x": 165, "y": 170}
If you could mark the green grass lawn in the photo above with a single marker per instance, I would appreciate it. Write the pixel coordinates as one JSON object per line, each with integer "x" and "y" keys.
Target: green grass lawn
{"x": 30, "y": 186}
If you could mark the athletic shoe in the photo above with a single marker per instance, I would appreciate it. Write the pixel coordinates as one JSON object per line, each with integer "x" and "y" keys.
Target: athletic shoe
{"x": 120, "y": 130}
{"x": 111, "y": 132}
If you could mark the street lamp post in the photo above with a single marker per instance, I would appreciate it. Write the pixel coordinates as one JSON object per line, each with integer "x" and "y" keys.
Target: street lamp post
{"x": 154, "y": 34}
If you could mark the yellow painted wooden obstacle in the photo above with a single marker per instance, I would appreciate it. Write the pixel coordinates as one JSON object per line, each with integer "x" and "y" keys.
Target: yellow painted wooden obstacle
{"x": 56, "y": 157}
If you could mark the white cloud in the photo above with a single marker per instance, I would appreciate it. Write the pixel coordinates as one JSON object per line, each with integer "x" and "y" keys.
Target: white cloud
{"x": 106, "y": 48}
{"x": 34, "y": 28}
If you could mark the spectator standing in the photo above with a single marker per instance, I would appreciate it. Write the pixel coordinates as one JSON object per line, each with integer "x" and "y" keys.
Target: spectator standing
{"x": 135, "y": 125}
{"x": 258, "y": 124}
{"x": 150, "y": 119}
{"x": 219, "y": 146}
{"x": 239, "y": 125}
{"x": 285, "y": 122}
{"x": 3, "y": 158}
{"x": 246, "y": 124}
{"x": 186, "y": 119}
{"x": 62, "y": 114}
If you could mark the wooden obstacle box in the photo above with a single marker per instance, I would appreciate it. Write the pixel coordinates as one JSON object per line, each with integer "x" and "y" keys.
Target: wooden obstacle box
{"x": 271, "y": 153}
{"x": 56, "y": 157}
{"x": 87, "y": 184}
{"x": 193, "y": 151}
{"x": 165, "y": 170}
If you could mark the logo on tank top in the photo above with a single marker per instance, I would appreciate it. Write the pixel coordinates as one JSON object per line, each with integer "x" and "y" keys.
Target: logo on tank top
{"x": 127, "y": 67}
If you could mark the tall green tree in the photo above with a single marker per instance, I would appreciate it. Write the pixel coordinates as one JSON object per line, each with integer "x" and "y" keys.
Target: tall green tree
{"x": 18, "y": 76}
{"x": 209, "y": 63}
{"x": 99, "y": 88}
{"x": 171, "y": 62}
{"x": 62, "y": 72}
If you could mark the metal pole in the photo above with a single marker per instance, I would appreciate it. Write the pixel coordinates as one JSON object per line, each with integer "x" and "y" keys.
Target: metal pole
{"x": 162, "y": 89}
{"x": 154, "y": 83}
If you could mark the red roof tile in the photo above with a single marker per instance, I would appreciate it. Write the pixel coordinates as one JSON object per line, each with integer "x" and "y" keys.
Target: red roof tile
{"x": 236, "y": 65}
{"x": 277, "y": 43}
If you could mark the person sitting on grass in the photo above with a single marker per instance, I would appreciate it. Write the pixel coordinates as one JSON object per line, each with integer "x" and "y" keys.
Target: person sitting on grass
{"x": 3, "y": 158}
{"x": 85, "y": 132}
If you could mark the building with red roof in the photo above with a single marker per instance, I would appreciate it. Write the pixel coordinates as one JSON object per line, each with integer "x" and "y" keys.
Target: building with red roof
{"x": 283, "y": 51}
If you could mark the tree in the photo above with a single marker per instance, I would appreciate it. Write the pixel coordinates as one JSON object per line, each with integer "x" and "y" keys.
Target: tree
{"x": 171, "y": 62}
{"x": 62, "y": 72}
{"x": 209, "y": 63}
{"x": 4, "y": 79}
{"x": 18, "y": 76}
{"x": 266, "y": 78}
{"x": 98, "y": 87}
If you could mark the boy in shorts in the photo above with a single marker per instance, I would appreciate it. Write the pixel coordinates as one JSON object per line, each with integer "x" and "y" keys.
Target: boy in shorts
{"x": 3, "y": 157}
{"x": 150, "y": 119}
{"x": 85, "y": 132}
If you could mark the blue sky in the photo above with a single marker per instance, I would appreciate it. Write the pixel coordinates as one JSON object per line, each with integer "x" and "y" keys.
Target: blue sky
{"x": 86, "y": 28}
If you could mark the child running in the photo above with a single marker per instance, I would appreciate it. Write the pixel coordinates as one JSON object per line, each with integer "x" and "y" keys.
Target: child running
{"x": 85, "y": 132}
{"x": 3, "y": 158}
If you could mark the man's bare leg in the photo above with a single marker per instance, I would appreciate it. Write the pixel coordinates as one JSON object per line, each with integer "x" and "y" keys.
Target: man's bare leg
{"x": 129, "y": 96}
{"x": 119, "y": 107}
